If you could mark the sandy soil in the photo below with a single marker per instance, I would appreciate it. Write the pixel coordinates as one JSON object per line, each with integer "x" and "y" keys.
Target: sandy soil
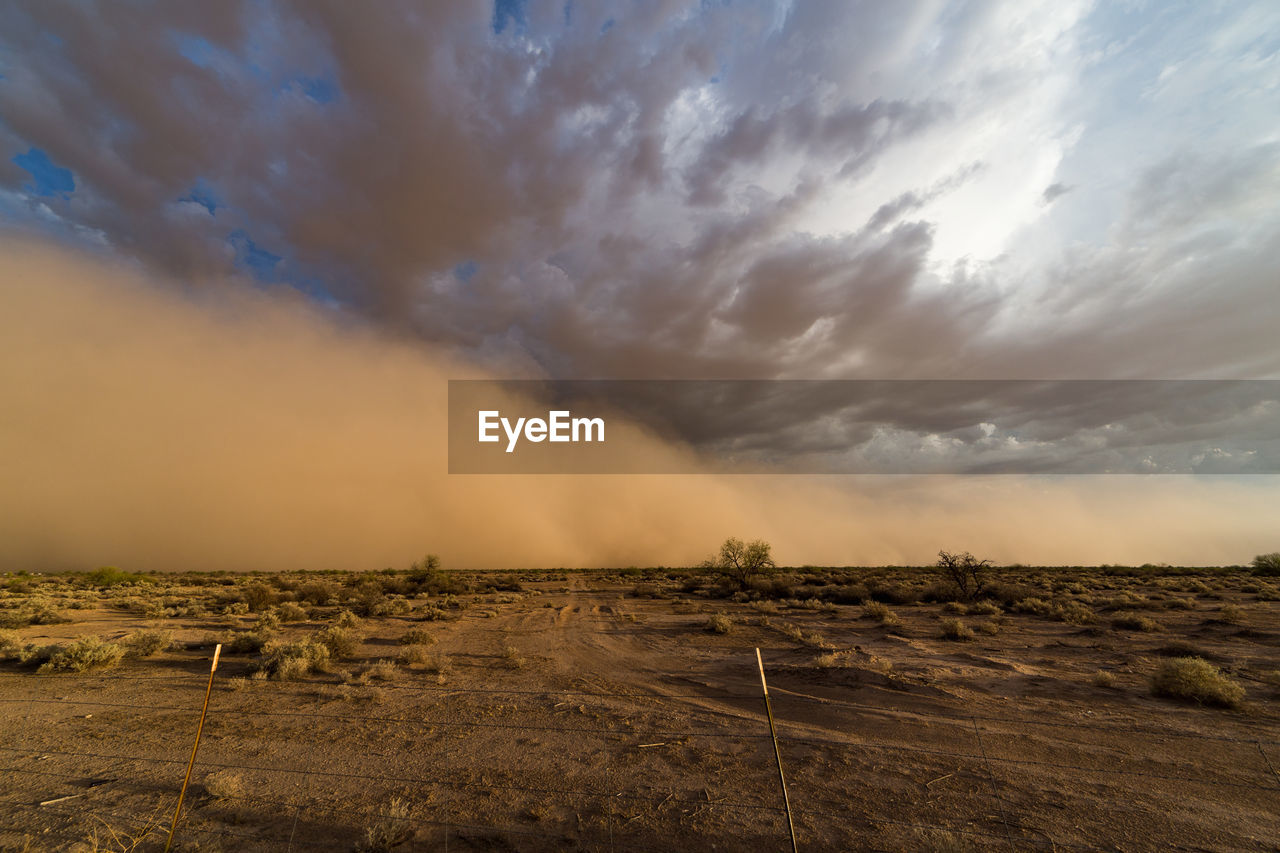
{"x": 576, "y": 715}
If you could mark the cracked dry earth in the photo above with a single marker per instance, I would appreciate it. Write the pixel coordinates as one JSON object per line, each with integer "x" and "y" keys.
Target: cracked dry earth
{"x": 577, "y": 716}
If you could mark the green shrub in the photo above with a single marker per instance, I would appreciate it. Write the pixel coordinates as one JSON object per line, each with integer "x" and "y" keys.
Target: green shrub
{"x": 1267, "y": 564}
{"x": 84, "y": 654}
{"x": 1196, "y": 680}
{"x": 109, "y": 576}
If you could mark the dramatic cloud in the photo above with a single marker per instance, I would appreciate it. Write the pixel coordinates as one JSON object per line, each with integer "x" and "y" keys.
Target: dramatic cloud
{"x": 679, "y": 189}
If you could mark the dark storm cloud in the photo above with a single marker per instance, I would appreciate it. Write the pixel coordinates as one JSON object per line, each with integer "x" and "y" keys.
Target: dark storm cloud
{"x": 617, "y": 213}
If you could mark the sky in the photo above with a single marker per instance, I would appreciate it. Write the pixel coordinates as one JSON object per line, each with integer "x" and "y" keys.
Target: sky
{"x": 373, "y": 198}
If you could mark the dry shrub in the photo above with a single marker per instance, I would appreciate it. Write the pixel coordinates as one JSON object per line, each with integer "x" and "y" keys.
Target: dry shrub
{"x": 383, "y": 670}
{"x": 144, "y": 644}
{"x": 224, "y": 785}
{"x": 86, "y": 653}
{"x": 879, "y": 612}
{"x": 342, "y": 642}
{"x": 1229, "y": 614}
{"x": 415, "y": 654}
{"x": 1104, "y": 679}
{"x": 954, "y": 629}
{"x": 719, "y": 623}
{"x": 290, "y": 612}
{"x": 1130, "y": 621}
{"x": 1196, "y": 680}
{"x": 390, "y": 829}
{"x": 417, "y": 637}
{"x": 291, "y": 661}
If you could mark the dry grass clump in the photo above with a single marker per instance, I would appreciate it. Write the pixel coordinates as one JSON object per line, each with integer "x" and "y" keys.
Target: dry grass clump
{"x": 248, "y": 642}
{"x": 383, "y": 670}
{"x": 880, "y": 612}
{"x": 1104, "y": 679}
{"x": 291, "y": 661}
{"x": 985, "y": 608}
{"x": 991, "y": 627}
{"x": 390, "y": 829}
{"x": 415, "y": 654}
{"x": 954, "y": 629}
{"x": 86, "y": 653}
{"x": 512, "y": 656}
{"x": 1196, "y": 680}
{"x": 287, "y": 611}
{"x": 342, "y": 642}
{"x": 224, "y": 785}
{"x": 719, "y": 623}
{"x": 1073, "y": 612}
{"x": 956, "y": 607}
{"x": 417, "y": 637}
{"x": 1230, "y": 614}
{"x": 1129, "y": 621}
{"x": 144, "y": 644}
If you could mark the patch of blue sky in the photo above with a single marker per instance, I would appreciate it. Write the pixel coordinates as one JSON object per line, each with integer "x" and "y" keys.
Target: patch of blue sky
{"x": 466, "y": 271}
{"x": 322, "y": 88}
{"x": 510, "y": 11}
{"x": 260, "y": 263}
{"x": 48, "y": 179}
{"x": 202, "y": 193}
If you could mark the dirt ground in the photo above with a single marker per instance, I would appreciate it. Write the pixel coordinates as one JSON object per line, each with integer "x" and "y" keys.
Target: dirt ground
{"x": 604, "y": 711}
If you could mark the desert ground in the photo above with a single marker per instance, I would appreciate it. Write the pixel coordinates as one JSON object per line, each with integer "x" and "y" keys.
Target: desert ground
{"x": 1058, "y": 709}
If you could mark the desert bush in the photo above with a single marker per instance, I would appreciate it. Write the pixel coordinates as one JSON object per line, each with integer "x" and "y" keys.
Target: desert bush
{"x": 832, "y": 660}
{"x": 341, "y": 642}
{"x": 1130, "y": 621}
{"x": 1267, "y": 565}
{"x": 258, "y": 596}
{"x": 224, "y": 784}
{"x": 897, "y": 593}
{"x": 86, "y": 653}
{"x": 248, "y": 642}
{"x": 1104, "y": 679}
{"x": 985, "y": 608}
{"x": 289, "y": 612}
{"x": 719, "y": 623}
{"x": 317, "y": 593}
{"x": 389, "y": 830}
{"x": 347, "y": 619}
{"x": 10, "y": 645}
{"x": 383, "y": 670}
{"x": 512, "y": 656}
{"x": 144, "y": 644}
{"x": 1196, "y": 680}
{"x": 415, "y": 654}
{"x": 955, "y": 607}
{"x": 109, "y": 576}
{"x": 880, "y": 612}
{"x": 416, "y": 637}
{"x": 991, "y": 627}
{"x": 954, "y": 629}
{"x": 1230, "y": 614}
{"x": 293, "y": 660}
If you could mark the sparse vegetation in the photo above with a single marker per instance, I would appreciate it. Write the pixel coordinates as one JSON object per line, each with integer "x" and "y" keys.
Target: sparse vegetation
{"x": 1129, "y": 621}
{"x": 390, "y": 829}
{"x": 954, "y": 629}
{"x": 719, "y": 623}
{"x": 144, "y": 644}
{"x": 1196, "y": 680}
{"x": 83, "y": 655}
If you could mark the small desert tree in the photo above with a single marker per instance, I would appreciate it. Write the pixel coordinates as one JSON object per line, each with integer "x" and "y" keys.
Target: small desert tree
{"x": 964, "y": 571}
{"x": 1267, "y": 564}
{"x": 743, "y": 561}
